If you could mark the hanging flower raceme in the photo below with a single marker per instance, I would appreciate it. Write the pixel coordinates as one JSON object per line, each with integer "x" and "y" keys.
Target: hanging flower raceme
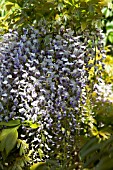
{"x": 43, "y": 82}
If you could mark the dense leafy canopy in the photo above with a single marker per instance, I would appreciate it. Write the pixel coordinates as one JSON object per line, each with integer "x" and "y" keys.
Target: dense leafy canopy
{"x": 76, "y": 13}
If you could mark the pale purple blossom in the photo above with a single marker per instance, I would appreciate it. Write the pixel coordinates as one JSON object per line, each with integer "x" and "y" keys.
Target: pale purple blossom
{"x": 43, "y": 85}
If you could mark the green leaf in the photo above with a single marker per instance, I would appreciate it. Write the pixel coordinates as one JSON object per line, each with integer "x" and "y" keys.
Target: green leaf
{"x": 9, "y": 5}
{"x": 11, "y": 123}
{"x": 94, "y": 130}
{"x": 39, "y": 166}
{"x": 89, "y": 147}
{"x": 30, "y": 124}
{"x": 95, "y": 157}
{"x": 41, "y": 154}
{"x": 52, "y": 162}
{"x": 67, "y": 2}
{"x": 15, "y": 167}
{"x": 8, "y": 138}
{"x": 110, "y": 37}
{"x": 34, "y": 126}
{"x": 18, "y": 167}
{"x": 1, "y": 166}
{"x": 107, "y": 12}
{"x": 91, "y": 8}
{"x": 83, "y": 26}
{"x": 21, "y": 152}
{"x": 11, "y": 140}
{"x": 107, "y": 142}
{"x": 109, "y": 26}
{"x": 106, "y": 163}
{"x": 47, "y": 39}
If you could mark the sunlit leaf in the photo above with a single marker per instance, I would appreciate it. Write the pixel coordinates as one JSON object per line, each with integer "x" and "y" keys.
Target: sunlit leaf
{"x": 104, "y": 135}
{"x": 34, "y": 126}
{"x": 110, "y": 37}
{"x": 83, "y": 25}
{"x": 11, "y": 123}
{"x": 40, "y": 152}
{"x": 9, "y": 5}
{"x": 8, "y": 138}
{"x": 68, "y": 2}
{"x": 94, "y": 131}
{"x": 39, "y": 166}
{"x": 30, "y": 124}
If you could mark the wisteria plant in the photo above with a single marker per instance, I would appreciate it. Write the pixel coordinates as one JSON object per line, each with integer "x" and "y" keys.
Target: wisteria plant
{"x": 44, "y": 77}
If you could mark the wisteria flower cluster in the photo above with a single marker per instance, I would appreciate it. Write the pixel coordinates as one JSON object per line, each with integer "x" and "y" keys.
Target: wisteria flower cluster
{"x": 43, "y": 83}
{"x": 104, "y": 91}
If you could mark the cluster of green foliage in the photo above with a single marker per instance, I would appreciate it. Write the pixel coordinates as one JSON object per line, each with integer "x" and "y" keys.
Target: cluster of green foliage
{"x": 14, "y": 151}
{"x": 97, "y": 152}
{"x": 76, "y": 13}
{"x": 107, "y": 23}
